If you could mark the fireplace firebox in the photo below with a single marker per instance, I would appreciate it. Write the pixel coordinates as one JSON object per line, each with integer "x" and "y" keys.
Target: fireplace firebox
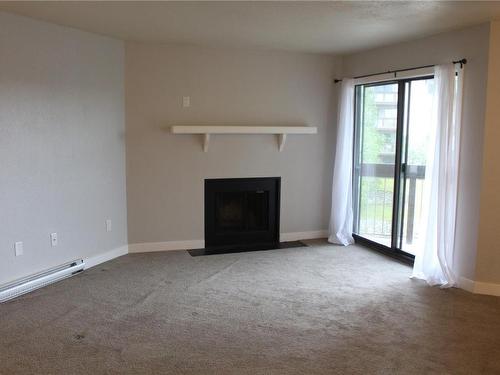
{"x": 242, "y": 213}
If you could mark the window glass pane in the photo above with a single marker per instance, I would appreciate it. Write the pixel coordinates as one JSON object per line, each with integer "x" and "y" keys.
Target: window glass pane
{"x": 376, "y": 150}
{"x": 420, "y": 127}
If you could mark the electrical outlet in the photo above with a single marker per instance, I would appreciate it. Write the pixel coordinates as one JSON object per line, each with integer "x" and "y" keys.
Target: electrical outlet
{"x": 19, "y": 248}
{"x": 186, "y": 101}
{"x": 109, "y": 226}
{"x": 53, "y": 239}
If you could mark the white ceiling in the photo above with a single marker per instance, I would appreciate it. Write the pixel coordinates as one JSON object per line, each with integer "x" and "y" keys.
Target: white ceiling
{"x": 322, "y": 27}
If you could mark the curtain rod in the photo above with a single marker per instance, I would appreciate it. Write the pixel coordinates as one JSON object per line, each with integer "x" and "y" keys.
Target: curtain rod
{"x": 462, "y": 62}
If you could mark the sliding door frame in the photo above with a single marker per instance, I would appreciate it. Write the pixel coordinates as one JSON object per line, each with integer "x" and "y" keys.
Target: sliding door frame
{"x": 401, "y": 154}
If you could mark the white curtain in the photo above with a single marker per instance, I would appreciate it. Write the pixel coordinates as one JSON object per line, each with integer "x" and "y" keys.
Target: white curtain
{"x": 434, "y": 259}
{"x": 341, "y": 217}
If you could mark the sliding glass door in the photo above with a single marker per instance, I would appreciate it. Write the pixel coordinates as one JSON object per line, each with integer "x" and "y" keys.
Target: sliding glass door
{"x": 392, "y": 130}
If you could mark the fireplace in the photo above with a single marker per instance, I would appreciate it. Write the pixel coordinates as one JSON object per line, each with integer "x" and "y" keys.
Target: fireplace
{"x": 242, "y": 213}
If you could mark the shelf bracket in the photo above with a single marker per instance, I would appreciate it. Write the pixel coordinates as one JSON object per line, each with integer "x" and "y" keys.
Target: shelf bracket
{"x": 281, "y": 141}
{"x": 206, "y": 142}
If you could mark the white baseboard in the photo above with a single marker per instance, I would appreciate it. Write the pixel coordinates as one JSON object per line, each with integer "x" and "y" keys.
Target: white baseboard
{"x": 147, "y": 247}
{"x": 479, "y": 287}
{"x": 466, "y": 284}
{"x": 296, "y": 236}
{"x": 487, "y": 288}
{"x": 104, "y": 257}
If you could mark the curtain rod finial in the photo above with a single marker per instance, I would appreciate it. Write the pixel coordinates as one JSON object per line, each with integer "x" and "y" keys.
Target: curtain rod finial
{"x": 462, "y": 62}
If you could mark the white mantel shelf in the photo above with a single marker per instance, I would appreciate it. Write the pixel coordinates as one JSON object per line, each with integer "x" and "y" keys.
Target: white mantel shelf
{"x": 207, "y": 130}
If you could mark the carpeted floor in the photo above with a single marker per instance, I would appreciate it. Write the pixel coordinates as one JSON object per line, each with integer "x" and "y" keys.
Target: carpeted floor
{"x": 317, "y": 310}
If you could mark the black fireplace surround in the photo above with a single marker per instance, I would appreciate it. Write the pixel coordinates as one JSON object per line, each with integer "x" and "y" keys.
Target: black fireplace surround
{"x": 242, "y": 213}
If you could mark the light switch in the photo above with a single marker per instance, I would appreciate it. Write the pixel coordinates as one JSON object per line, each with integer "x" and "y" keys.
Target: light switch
{"x": 53, "y": 239}
{"x": 186, "y": 101}
{"x": 109, "y": 226}
{"x": 18, "y": 246}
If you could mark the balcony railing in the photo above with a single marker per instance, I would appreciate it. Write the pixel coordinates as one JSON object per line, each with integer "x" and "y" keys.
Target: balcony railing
{"x": 376, "y": 203}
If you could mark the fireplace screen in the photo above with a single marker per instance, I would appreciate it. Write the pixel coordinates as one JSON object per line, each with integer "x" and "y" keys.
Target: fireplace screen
{"x": 242, "y": 211}
{"x": 239, "y": 211}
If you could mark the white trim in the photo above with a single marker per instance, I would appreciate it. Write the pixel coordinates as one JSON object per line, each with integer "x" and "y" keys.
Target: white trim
{"x": 466, "y": 284}
{"x": 296, "y": 236}
{"x": 479, "y": 287}
{"x": 486, "y": 288}
{"x": 147, "y": 247}
{"x": 104, "y": 257}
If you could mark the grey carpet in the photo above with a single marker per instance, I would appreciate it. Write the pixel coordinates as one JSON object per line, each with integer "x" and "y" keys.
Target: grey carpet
{"x": 317, "y": 310}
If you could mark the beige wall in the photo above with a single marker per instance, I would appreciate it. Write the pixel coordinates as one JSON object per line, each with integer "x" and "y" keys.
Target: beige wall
{"x": 488, "y": 257}
{"x": 62, "y": 152}
{"x": 62, "y": 137}
{"x": 166, "y": 172}
{"x": 471, "y": 43}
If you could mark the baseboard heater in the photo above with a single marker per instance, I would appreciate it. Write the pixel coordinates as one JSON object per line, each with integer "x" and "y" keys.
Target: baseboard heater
{"x": 30, "y": 283}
